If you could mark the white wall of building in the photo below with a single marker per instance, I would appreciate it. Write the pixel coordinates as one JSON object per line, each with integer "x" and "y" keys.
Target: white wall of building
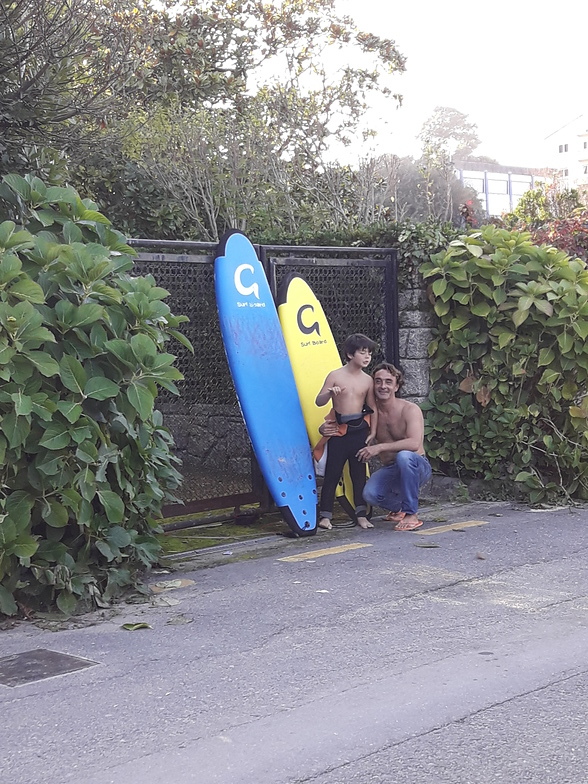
{"x": 567, "y": 151}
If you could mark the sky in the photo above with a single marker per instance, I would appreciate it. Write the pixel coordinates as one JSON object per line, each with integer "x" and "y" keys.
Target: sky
{"x": 517, "y": 68}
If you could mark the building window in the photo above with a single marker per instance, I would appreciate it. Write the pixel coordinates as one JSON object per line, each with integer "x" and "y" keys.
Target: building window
{"x": 561, "y": 147}
{"x": 586, "y": 145}
{"x": 585, "y": 169}
{"x": 565, "y": 172}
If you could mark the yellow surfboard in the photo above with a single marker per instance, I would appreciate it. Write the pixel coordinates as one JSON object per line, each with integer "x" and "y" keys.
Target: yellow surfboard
{"x": 313, "y": 354}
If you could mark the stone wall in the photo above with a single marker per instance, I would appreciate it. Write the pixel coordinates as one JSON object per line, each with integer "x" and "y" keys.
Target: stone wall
{"x": 416, "y": 320}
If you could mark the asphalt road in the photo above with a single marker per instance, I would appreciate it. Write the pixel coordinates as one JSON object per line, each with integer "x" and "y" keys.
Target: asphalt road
{"x": 397, "y": 662}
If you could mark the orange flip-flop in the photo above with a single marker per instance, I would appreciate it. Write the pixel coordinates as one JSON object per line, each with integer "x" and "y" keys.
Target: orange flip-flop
{"x": 404, "y": 526}
{"x": 395, "y": 517}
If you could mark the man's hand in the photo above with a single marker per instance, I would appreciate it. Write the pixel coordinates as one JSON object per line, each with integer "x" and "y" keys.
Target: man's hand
{"x": 336, "y": 390}
{"x": 367, "y": 452}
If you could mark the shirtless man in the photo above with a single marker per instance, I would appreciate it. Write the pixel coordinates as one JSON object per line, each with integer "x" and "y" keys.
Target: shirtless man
{"x": 400, "y": 432}
{"x": 350, "y": 389}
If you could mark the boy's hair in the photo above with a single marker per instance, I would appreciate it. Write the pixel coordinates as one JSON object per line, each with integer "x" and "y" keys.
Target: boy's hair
{"x": 394, "y": 372}
{"x": 356, "y": 342}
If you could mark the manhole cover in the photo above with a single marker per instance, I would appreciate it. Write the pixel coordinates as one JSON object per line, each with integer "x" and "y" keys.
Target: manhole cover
{"x": 38, "y": 665}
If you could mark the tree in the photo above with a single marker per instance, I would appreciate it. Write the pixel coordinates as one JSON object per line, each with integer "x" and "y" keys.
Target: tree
{"x": 257, "y": 157}
{"x": 449, "y": 131}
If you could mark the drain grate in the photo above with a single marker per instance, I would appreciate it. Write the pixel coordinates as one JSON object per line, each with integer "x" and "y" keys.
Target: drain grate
{"x": 37, "y": 665}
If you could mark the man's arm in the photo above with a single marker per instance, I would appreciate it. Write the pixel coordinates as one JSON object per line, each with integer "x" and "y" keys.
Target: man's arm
{"x": 412, "y": 442}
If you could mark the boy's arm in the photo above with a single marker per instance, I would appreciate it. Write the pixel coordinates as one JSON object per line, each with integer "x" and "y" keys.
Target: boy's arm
{"x": 328, "y": 390}
{"x": 371, "y": 401}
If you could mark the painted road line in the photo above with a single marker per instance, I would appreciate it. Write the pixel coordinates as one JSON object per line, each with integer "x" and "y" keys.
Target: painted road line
{"x": 319, "y": 553}
{"x": 441, "y": 529}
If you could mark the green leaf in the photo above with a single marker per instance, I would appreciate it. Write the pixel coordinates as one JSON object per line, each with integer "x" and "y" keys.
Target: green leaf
{"x": 67, "y": 603}
{"x": 7, "y": 603}
{"x": 18, "y": 507}
{"x": 56, "y": 436}
{"x": 6, "y": 231}
{"x": 87, "y": 314}
{"x": 122, "y": 351}
{"x": 544, "y": 306}
{"x": 19, "y": 185}
{"x": 481, "y": 309}
{"x": 181, "y": 339}
{"x": 475, "y": 250}
{"x": 519, "y": 316}
{"x": 8, "y": 533}
{"x": 141, "y": 399}
{"x": 113, "y": 505}
{"x": 73, "y": 375}
{"x": 27, "y": 289}
{"x": 439, "y": 286}
{"x": 546, "y": 357}
{"x": 458, "y": 323}
{"x": 104, "y": 548}
{"x": 133, "y": 627}
{"x": 15, "y": 428}
{"x": 25, "y": 547}
{"x": 23, "y": 404}
{"x": 57, "y": 515}
{"x": 525, "y": 303}
{"x": 44, "y": 363}
{"x": 70, "y": 410}
{"x": 100, "y": 388}
{"x": 566, "y": 342}
{"x": 119, "y": 537}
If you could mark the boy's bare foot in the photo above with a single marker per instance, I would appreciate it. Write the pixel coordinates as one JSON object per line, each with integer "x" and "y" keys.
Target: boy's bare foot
{"x": 324, "y": 522}
{"x": 363, "y": 522}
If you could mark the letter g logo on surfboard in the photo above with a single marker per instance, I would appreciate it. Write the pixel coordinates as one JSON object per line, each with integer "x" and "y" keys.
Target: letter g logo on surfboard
{"x": 245, "y": 291}
{"x": 302, "y": 326}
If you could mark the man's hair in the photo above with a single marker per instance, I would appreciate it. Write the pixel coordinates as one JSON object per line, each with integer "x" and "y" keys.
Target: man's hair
{"x": 394, "y": 372}
{"x": 356, "y": 342}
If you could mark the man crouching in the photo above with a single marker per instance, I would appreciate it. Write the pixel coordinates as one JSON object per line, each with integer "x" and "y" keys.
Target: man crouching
{"x": 399, "y": 437}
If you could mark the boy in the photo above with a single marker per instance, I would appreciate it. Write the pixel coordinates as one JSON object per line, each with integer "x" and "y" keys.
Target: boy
{"x": 351, "y": 391}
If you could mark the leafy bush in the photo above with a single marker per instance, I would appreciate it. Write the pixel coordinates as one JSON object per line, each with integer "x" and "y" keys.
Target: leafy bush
{"x": 85, "y": 459}
{"x": 567, "y": 234}
{"x": 510, "y": 363}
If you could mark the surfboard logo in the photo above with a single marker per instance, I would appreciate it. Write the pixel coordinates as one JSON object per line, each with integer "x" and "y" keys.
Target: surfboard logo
{"x": 302, "y": 327}
{"x": 245, "y": 291}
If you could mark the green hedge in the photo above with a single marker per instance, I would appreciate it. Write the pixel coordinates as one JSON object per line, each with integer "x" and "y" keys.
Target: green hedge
{"x": 85, "y": 460}
{"x": 509, "y": 363}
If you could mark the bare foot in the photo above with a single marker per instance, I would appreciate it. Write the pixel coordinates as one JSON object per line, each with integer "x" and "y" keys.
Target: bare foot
{"x": 324, "y": 522}
{"x": 410, "y": 522}
{"x": 363, "y": 522}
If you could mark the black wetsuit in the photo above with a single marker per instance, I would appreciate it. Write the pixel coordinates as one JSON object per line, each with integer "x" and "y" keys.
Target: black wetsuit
{"x": 340, "y": 450}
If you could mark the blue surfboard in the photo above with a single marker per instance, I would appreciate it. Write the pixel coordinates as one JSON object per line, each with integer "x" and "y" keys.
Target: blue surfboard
{"x": 264, "y": 381}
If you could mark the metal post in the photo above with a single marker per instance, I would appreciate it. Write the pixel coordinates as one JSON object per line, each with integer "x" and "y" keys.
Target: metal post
{"x": 391, "y": 308}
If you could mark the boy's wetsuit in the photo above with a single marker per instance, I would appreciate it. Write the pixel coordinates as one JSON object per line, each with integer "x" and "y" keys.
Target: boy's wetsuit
{"x": 342, "y": 449}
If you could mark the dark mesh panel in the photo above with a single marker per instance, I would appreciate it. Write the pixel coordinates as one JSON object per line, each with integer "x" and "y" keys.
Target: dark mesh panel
{"x": 353, "y": 296}
{"x": 206, "y": 421}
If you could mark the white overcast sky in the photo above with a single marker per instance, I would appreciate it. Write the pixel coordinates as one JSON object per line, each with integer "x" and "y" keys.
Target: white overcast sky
{"x": 517, "y": 68}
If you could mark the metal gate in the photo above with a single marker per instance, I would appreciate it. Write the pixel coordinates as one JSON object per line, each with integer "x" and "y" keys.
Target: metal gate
{"x": 358, "y": 290}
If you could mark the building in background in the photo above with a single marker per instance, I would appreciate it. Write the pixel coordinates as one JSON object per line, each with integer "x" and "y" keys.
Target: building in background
{"x": 499, "y": 188}
{"x": 567, "y": 152}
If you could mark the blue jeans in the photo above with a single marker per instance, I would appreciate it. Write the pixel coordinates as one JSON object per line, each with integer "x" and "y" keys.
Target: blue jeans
{"x": 396, "y": 486}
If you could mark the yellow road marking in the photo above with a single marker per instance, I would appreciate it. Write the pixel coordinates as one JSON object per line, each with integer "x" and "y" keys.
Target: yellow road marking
{"x": 441, "y": 529}
{"x": 319, "y": 553}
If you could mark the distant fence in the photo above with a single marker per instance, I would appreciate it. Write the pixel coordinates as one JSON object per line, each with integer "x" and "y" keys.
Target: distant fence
{"x": 358, "y": 290}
